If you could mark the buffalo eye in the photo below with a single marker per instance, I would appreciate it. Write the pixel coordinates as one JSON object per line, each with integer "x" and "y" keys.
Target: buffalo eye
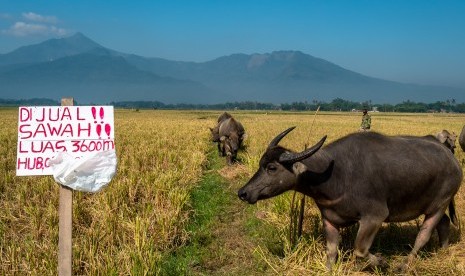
{"x": 271, "y": 168}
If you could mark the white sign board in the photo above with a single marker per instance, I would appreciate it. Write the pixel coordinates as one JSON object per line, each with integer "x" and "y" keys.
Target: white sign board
{"x": 44, "y": 131}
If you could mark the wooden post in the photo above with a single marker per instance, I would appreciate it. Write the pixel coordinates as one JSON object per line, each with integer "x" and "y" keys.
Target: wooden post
{"x": 65, "y": 224}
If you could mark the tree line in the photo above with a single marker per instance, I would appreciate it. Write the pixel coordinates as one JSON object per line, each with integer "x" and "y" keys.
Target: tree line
{"x": 338, "y": 104}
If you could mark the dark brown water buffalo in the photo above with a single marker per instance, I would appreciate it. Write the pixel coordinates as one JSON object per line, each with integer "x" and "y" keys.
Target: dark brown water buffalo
{"x": 229, "y": 135}
{"x": 462, "y": 139}
{"x": 215, "y": 131}
{"x": 447, "y": 139}
{"x": 367, "y": 178}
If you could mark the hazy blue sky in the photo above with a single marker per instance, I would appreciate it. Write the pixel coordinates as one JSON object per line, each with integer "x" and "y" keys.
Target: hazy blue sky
{"x": 419, "y": 41}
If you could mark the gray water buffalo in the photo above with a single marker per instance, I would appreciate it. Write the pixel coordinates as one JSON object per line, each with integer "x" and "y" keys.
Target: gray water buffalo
{"x": 462, "y": 139}
{"x": 367, "y": 178}
{"x": 229, "y": 135}
{"x": 447, "y": 139}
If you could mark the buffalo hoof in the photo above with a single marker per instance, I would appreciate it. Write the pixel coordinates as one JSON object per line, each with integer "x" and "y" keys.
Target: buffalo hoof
{"x": 378, "y": 261}
{"x": 330, "y": 264}
{"x": 401, "y": 268}
{"x": 404, "y": 266}
{"x": 371, "y": 262}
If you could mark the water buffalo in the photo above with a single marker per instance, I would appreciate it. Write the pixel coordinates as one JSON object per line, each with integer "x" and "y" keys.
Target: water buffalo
{"x": 229, "y": 134}
{"x": 462, "y": 139}
{"x": 447, "y": 139}
{"x": 215, "y": 131}
{"x": 367, "y": 178}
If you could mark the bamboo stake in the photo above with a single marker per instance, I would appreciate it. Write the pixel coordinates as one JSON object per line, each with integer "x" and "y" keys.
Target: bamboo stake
{"x": 65, "y": 224}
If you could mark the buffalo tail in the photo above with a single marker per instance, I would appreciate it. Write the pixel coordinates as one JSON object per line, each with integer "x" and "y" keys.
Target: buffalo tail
{"x": 453, "y": 215}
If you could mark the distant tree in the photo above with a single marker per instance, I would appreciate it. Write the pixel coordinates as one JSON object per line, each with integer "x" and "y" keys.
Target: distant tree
{"x": 385, "y": 107}
{"x": 450, "y": 105}
{"x": 460, "y": 108}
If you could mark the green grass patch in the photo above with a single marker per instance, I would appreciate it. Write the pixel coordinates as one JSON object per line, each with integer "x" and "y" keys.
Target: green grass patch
{"x": 208, "y": 200}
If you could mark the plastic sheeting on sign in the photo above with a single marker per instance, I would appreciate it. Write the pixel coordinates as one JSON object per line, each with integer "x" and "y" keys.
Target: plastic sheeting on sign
{"x": 88, "y": 174}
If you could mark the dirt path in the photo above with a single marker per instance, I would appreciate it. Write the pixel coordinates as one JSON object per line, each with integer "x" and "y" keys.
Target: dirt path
{"x": 223, "y": 231}
{"x": 233, "y": 247}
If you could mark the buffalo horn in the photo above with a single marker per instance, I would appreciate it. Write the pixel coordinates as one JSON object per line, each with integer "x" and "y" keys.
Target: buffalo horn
{"x": 280, "y": 136}
{"x": 288, "y": 157}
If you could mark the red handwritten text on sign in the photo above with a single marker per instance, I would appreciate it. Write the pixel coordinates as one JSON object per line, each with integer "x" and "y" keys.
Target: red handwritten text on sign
{"x": 45, "y": 131}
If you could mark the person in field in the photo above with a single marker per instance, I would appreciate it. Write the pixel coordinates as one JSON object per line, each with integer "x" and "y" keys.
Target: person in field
{"x": 366, "y": 121}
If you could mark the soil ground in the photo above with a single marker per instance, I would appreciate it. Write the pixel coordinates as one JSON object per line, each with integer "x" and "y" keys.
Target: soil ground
{"x": 224, "y": 234}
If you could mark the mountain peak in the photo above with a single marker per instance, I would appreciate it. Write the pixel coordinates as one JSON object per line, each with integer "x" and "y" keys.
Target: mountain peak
{"x": 257, "y": 60}
{"x": 78, "y": 34}
{"x": 80, "y": 38}
{"x": 78, "y": 65}
{"x": 50, "y": 49}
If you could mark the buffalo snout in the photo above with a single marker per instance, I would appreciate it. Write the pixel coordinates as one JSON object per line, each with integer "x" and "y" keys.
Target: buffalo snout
{"x": 246, "y": 196}
{"x": 242, "y": 194}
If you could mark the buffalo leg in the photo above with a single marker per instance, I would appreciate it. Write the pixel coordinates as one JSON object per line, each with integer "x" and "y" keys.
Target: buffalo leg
{"x": 436, "y": 220}
{"x": 429, "y": 224}
{"x": 229, "y": 158}
{"x": 220, "y": 151}
{"x": 366, "y": 234}
{"x": 443, "y": 229}
{"x": 332, "y": 242}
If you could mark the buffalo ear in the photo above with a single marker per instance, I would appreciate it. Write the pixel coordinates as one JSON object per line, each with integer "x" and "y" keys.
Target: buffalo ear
{"x": 299, "y": 168}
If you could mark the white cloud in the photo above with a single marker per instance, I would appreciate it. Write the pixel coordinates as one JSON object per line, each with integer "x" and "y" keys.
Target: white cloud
{"x": 26, "y": 29}
{"x": 40, "y": 18}
{"x": 34, "y": 24}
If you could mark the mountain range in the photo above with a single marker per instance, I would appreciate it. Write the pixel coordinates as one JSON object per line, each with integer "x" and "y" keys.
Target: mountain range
{"x": 79, "y": 67}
